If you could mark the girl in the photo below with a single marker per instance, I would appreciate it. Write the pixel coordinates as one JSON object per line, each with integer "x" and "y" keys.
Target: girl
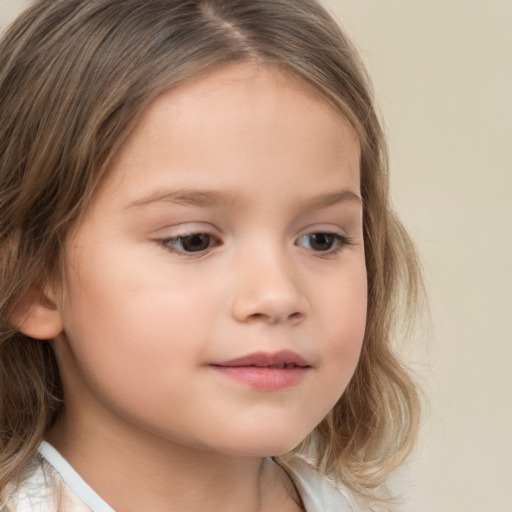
{"x": 199, "y": 264}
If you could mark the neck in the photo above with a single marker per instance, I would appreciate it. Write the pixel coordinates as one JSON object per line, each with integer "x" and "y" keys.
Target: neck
{"x": 143, "y": 471}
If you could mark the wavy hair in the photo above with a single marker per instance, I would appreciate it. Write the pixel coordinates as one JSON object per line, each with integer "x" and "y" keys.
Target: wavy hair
{"x": 75, "y": 78}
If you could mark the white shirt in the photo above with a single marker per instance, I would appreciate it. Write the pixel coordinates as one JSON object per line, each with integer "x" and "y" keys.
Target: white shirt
{"x": 52, "y": 485}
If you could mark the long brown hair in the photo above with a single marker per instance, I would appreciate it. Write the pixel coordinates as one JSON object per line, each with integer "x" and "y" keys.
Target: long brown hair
{"x": 75, "y": 77}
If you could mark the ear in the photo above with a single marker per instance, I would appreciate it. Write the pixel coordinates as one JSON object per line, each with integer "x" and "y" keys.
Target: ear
{"x": 37, "y": 315}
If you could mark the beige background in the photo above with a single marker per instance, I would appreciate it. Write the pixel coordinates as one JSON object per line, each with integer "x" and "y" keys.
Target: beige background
{"x": 443, "y": 75}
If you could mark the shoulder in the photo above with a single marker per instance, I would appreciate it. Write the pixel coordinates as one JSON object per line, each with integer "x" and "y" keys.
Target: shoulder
{"x": 318, "y": 493}
{"x": 41, "y": 489}
{"x": 33, "y": 492}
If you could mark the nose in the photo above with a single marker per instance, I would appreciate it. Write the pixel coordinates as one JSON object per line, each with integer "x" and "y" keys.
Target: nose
{"x": 268, "y": 291}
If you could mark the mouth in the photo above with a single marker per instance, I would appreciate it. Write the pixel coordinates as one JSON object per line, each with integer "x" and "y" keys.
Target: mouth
{"x": 283, "y": 359}
{"x": 265, "y": 371}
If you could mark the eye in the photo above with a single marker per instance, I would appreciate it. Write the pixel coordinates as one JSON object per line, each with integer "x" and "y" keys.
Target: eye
{"x": 323, "y": 242}
{"x": 193, "y": 243}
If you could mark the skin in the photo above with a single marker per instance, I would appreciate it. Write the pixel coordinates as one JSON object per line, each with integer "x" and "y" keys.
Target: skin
{"x": 147, "y": 422}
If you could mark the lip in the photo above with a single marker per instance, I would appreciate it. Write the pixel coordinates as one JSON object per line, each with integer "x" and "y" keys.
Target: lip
{"x": 267, "y": 359}
{"x": 265, "y": 371}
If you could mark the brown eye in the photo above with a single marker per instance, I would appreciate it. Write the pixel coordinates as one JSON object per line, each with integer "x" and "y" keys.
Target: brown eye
{"x": 323, "y": 242}
{"x": 194, "y": 243}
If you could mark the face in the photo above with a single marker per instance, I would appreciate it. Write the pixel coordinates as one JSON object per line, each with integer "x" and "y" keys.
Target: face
{"x": 215, "y": 291}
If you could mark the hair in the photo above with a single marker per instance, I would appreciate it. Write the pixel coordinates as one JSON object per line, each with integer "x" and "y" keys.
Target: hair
{"x": 75, "y": 78}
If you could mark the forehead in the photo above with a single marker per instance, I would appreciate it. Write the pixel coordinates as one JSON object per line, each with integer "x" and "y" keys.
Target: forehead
{"x": 247, "y": 96}
{"x": 229, "y": 122}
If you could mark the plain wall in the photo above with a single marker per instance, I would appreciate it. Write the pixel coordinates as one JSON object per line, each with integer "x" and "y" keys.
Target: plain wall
{"x": 442, "y": 71}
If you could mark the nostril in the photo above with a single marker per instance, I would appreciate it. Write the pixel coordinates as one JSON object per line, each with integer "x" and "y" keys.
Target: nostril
{"x": 257, "y": 316}
{"x": 268, "y": 305}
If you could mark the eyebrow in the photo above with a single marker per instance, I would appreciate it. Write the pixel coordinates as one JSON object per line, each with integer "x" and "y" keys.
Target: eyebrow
{"x": 185, "y": 197}
{"x": 211, "y": 198}
{"x": 330, "y": 199}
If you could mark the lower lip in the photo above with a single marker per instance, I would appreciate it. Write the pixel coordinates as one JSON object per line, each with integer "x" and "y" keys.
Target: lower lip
{"x": 264, "y": 378}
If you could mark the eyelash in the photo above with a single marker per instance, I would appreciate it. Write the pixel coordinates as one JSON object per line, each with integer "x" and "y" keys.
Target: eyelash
{"x": 336, "y": 243}
{"x": 171, "y": 243}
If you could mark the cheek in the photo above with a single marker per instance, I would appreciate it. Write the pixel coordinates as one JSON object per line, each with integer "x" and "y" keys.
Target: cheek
{"x": 132, "y": 353}
{"x": 117, "y": 327}
{"x": 344, "y": 315}
{"x": 138, "y": 326}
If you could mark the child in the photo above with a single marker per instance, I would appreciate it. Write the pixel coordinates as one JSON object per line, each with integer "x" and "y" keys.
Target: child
{"x": 199, "y": 264}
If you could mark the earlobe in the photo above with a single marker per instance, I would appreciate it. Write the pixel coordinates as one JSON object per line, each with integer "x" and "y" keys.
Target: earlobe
{"x": 37, "y": 315}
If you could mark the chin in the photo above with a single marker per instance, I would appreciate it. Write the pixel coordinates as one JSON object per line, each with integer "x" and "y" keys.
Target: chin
{"x": 264, "y": 443}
